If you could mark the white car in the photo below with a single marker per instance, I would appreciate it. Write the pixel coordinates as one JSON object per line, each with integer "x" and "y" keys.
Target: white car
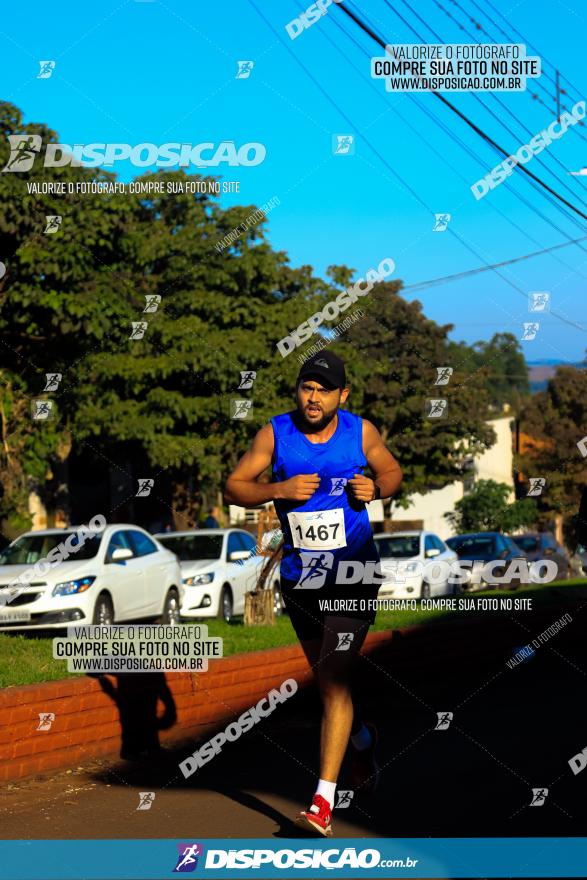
{"x": 119, "y": 574}
{"x": 218, "y": 566}
{"x": 408, "y": 562}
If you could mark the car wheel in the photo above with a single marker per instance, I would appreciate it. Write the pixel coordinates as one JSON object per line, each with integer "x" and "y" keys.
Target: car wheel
{"x": 277, "y": 600}
{"x": 456, "y": 589}
{"x": 103, "y": 610}
{"x": 225, "y": 605}
{"x": 171, "y": 608}
{"x": 425, "y": 591}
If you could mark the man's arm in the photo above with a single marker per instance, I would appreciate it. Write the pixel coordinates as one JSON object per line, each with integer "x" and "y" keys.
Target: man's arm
{"x": 242, "y": 487}
{"x": 386, "y": 470}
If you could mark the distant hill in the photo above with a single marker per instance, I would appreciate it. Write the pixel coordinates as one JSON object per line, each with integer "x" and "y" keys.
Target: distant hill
{"x": 539, "y": 372}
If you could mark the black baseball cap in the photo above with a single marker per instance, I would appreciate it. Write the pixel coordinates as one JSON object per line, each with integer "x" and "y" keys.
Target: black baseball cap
{"x": 327, "y": 367}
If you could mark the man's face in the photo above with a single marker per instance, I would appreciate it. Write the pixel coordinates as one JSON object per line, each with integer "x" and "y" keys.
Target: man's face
{"x": 317, "y": 405}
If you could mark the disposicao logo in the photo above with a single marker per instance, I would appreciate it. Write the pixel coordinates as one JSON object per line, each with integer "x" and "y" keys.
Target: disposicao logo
{"x": 187, "y": 859}
{"x": 24, "y": 149}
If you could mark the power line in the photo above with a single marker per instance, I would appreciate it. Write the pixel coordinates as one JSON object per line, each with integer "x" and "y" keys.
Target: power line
{"x": 501, "y": 104}
{"x": 533, "y": 96}
{"x": 534, "y": 49}
{"x": 382, "y": 159}
{"x": 458, "y": 275}
{"x": 470, "y": 153}
{"x": 476, "y": 97}
{"x": 532, "y": 182}
{"x": 364, "y": 27}
{"x": 442, "y": 157}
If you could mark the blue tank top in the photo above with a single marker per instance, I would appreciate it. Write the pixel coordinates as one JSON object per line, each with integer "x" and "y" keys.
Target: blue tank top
{"x": 331, "y": 519}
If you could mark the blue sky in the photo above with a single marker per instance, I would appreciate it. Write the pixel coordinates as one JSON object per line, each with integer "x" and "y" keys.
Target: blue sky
{"x": 165, "y": 71}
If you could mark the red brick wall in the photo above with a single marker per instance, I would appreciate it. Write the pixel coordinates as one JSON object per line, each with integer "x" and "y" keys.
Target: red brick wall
{"x": 87, "y": 723}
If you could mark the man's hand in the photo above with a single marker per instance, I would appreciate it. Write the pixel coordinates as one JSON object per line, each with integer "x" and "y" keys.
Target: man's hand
{"x": 362, "y": 488}
{"x": 299, "y": 488}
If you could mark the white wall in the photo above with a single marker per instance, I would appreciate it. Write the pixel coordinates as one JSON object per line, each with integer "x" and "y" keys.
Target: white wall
{"x": 494, "y": 464}
{"x": 497, "y": 463}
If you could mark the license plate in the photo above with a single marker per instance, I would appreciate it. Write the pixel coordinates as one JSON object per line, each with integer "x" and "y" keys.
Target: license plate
{"x": 15, "y": 616}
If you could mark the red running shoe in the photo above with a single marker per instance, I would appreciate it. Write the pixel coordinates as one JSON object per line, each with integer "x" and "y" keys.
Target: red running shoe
{"x": 318, "y": 817}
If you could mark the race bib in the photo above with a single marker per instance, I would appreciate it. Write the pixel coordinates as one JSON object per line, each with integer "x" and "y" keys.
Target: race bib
{"x": 318, "y": 530}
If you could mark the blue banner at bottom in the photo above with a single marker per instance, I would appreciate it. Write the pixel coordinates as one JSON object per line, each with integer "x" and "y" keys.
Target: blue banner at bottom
{"x": 415, "y": 857}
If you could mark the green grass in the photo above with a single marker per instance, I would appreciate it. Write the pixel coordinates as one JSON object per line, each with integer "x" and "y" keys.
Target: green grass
{"x": 29, "y": 659}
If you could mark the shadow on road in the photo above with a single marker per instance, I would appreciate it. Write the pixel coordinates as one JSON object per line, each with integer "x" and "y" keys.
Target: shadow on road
{"x": 513, "y": 729}
{"x": 136, "y": 696}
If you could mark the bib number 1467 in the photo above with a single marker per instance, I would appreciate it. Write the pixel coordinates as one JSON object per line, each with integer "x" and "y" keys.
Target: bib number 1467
{"x": 322, "y": 531}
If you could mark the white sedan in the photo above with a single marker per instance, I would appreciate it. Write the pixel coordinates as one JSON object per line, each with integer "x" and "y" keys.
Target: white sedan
{"x": 218, "y": 566}
{"x": 409, "y": 563}
{"x": 56, "y": 577}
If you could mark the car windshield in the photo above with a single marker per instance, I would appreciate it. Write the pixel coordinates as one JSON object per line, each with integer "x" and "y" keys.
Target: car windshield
{"x": 29, "y": 549}
{"x": 399, "y": 546}
{"x": 190, "y": 548}
{"x": 527, "y": 543}
{"x": 478, "y": 545}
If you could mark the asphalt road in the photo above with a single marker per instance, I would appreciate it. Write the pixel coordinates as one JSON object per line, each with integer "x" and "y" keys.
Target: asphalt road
{"x": 512, "y": 730}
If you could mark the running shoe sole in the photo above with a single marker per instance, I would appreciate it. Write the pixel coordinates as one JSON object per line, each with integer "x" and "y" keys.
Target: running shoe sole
{"x": 306, "y": 822}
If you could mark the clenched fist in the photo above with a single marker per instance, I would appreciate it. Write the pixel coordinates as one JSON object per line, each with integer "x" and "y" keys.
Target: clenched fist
{"x": 362, "y": 488}
{"x": 299, "y": 488}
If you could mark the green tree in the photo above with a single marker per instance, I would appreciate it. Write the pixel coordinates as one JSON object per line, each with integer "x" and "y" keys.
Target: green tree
{"x": 26, "y": 449}
{"x": 68, "y": 302}
{"x": 501, "y": 364}
{"x": 393, "y": 354}
{"x": 486, "y": 509}
{"x": 556, "y": 421}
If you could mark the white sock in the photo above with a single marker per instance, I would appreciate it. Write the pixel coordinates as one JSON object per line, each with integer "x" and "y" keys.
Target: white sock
{"x": 327, "y": 790}
{"x": 362, "y": 740}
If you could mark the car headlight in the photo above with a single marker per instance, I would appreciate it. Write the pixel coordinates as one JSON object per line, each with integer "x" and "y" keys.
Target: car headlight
{"x": 77, "y": 586}
{"x": 411, "y": 566}
{"x": 197, "y": 579}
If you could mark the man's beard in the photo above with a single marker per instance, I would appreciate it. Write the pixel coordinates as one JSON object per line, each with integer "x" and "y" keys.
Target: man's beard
{"x": 319, "y": 425}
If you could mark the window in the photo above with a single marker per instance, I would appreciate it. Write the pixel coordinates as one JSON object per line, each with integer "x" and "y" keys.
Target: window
{"x": 476, "y": 546}
{"x": 500, "y": 544}
{"x": 235, "y": 544}
{"x": 440, "y": 545}
{"x": 398, "y": 546}
{"x": 428, "y": 544}
{"x": 119, "y": 540}
{"x": 249, "y": 542}
{"x": 142, "y": 544}
{"x": 528, "y": 543}
{"x": 190, "y": 548}
{"x": 29, "y": 549}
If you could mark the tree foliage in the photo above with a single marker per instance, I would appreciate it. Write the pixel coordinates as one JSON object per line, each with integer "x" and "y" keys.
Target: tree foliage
{"x": 501, "y": 365}
{"x": 69, "y": 300}
{"x": 557, "y": 419}
{"x": 486, "y": 508}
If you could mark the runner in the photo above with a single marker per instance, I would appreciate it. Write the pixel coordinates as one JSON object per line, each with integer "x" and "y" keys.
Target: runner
{"x": 318, "y": 453}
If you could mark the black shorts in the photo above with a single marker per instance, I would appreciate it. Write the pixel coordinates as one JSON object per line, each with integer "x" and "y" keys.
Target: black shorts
{"x": 309, "y": 608}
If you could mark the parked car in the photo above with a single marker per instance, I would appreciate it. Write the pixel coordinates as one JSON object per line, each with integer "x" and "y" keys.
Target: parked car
{"x": 543, "y": 545}
{"x": 218, "y": 566}
{"x": 486, "y": 547}
{"x": 405, "y": 559}
{"x": 119, "y": 574}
